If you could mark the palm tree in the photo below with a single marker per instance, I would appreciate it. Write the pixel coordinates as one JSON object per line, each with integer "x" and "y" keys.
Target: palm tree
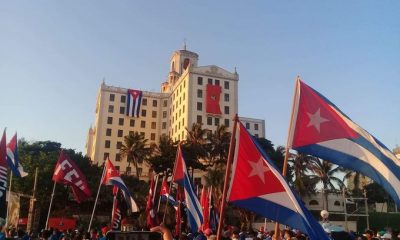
{"x": 135, "y": 149}
{"x": 195, "y": 147}
{"x": 325, "y": 172}
{"x": 219, "y": 141}
{"x": 164, "y": 155}
{"x": 215, "y": 178}
{"x": 300, "y": 165}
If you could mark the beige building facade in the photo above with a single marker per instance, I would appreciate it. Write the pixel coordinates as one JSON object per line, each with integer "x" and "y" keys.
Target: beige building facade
{"x": 191, "y": 94}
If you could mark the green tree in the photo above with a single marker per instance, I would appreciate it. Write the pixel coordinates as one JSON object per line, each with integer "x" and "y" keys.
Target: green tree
{"x": 303, "y": 183}
{"x": 135, "y": 149}
{"x": 219, "y": 141}
{"x": 326, "y": 173}
{"x": 195, "y": 147}
{"x": 164, "y": 155}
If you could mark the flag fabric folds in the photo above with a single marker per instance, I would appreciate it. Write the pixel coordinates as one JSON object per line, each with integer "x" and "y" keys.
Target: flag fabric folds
{"x": 133, "y": 103}
{"x": 151, "y": 213}
{"x": 68, "y": 173}
{"x": 13, "y": 159}
{"x": 111, "y": 177}
{"x": 212, "y": 99}
{"x": 257, "y": 185}
{"x": 180, "y": 176}
{"x": 320, "y": 129}
{"x": 3, "y": 179}
{"x": 165, "y": 194}
{"x": 205, "y": 206}
{"x": 119, "y": 209}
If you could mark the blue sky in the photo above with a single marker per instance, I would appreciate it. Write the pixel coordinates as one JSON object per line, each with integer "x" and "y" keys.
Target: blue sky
{"x": 54, "y": 55}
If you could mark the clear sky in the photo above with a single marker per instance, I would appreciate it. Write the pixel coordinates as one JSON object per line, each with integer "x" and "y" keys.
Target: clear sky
{"x": 54, "y": 55}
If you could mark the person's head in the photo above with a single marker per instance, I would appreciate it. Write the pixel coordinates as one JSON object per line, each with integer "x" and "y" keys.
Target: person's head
{"x": 369, "y": 233}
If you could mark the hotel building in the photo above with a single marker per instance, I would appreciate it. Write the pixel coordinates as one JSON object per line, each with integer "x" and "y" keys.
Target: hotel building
{"x": 191, "y": 94}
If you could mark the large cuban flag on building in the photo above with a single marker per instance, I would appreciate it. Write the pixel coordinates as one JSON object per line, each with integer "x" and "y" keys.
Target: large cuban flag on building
{"x": 320, "y": 129}
{"x": 133, "y": 103}
{"x": 258, "y": 186}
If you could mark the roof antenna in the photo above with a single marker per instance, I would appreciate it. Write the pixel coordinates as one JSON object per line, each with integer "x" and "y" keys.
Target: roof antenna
{"x": 184, "y": 44}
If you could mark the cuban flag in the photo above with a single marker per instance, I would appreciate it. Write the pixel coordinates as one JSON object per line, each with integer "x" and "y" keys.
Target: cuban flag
{"x": 165, "y": 194}
{"x": 181, "y": 177}
{"x": 133, "y": 104}
{"x": 112, "y": 178}
{"x": 13, "y": 159}
{"x": 257, "y": 185}
{"x": 320, "y": 129}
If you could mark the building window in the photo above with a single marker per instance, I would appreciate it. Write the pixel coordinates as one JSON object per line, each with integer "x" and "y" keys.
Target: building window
{"x": 209, "y": 121}
{"x": 199, "y": 93}
{"x": 313, "y": 202}
{"x": 142, "y": 124}
{"x": 122, "y": 110}
{"x": 144, "y": 101}
{"x": 153, "y": 136}
{"x": 121, "y": 121}
{"x": 117, "y": 168}
{"x": 226, "y": 110}
{"x": 183, "y": 109}
{"x": 226, "y": 97}
{"x": 144, "y": 112}
{"x": 153, "y": 125}
{"x": 216, "y": 123}
{"x": 128, "y": 170}
{"x": 227, "y": 122}
{"x": 119, "y": 144}
{"x": 108, "y": 132}
{"x": 199, "y": 119}
{"x": 199, "y": 106}
{"x": 132, "y": 122}
{"x": 154, "y": 103}
{"x": 142, "y": 133}
{"x": 164, "y": 125}
{"x": 165, "y": 103}
{"x": 153, "y": 114}
{"x": 255, "y": 126}
{"x": 139, "y": 171}
{"x": 110, "y": 108}
{"x": 130, "y": 132}
{"x": 209, "y": 81}
{"x": 247, "y": 125}
{"x": 117, "y": 157}
{"x": 226, "y": 85}
{"x": 164, "y": 114}
{"x": 106, "y": 155}
{"x": 120, "y": 133}
{"x": 216, "y": 82}
{"x": 112, "y": 97}
{"x": 336, "y": 203}
{"x": 109, "y": 120}
{"x": 123, "y": 99}
{"x": 199, "y": 81}
{"x": 107, "y": 144}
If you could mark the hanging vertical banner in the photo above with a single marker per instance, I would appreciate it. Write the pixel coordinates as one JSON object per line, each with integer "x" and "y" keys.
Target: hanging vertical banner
{"x": 3, "y": 179}
{"x": 133, "y": 103}
{"x": 212, "y": 100}
{"x": 13, "y": 209}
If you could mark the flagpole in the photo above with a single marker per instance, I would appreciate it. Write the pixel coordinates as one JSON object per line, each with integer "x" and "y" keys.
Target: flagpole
{"x": 51, "y": 203}
{"x": 166, "y": 204}
{"x": 285, "y": 162}
{"x": 97, "y": 197}
{"x": 227, "y": 176}
{"x": 159, "y": 198}
{"x": 8, "y": 198}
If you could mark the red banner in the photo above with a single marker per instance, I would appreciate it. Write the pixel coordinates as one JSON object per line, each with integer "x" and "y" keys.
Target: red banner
{"x": 66, "y": 172}
{"x": 212, "y": 100}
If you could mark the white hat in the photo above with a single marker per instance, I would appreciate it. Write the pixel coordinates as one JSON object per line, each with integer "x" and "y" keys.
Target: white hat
{"x": 387, "y": 236}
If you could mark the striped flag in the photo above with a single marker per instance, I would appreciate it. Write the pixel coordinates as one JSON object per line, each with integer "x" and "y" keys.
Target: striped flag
{"x": 3, "y": 179}
{"x": 181, "y": 177}
{"x": 133, "y": 104}
{"x": 320, "y": 129}
{"x": 13, "y": 159}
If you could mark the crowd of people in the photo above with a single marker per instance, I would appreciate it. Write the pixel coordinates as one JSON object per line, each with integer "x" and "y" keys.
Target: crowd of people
{"x": 229, "y": 233}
